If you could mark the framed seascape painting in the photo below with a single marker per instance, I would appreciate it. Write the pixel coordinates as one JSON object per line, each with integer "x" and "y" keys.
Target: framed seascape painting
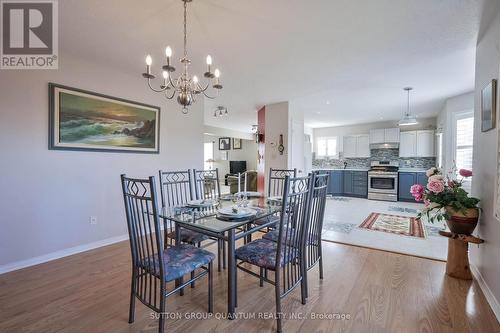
{"x": 84, "y": 120}
{"x": 488, "y": 106}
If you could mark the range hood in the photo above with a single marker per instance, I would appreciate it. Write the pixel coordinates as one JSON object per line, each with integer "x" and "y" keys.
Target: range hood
{"x": 387, "y": 145}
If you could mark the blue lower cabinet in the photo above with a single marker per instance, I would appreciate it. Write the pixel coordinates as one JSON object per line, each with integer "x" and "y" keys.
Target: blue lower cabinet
{"x": 406, "y": 181}
{"x": 336, "y": 184}
{"x": 348, "y": 190}
{"x": 422, "y": 178}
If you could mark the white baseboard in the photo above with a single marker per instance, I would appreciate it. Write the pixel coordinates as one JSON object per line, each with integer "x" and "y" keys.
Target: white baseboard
{"x": 59, "y": 254}
{"x": 490, "y": 297}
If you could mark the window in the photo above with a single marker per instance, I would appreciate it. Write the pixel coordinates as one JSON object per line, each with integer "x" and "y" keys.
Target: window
{"x": 208, "y": 154}
{"x": 464, "y": 136}
{"x": 327, "y": 147}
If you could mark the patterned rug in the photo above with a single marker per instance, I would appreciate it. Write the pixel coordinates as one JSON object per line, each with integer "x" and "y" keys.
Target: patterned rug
{"x": 400, "y": 225}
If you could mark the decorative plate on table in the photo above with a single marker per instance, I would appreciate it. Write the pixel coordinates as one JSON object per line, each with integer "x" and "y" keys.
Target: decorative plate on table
{"x": 236, "y": 212}
{"x": 250, "y": 194}
{"x": 202, "y": 203}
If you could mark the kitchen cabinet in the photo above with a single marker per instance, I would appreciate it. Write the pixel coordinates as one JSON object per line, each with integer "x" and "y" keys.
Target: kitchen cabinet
{"x": 350, "y": 143}
{"x": 417, "y": 144}
{"x": 347, "y": 183}
{"x": 336, "y": 182}
{"x": 356, "y": 146}
{"x": 425, "y": 143}
{"x": 377, "y": 136}
{"x": 391, "y": 135}
{"x": 406, "y": 181}
{"x": 408, "y": 144}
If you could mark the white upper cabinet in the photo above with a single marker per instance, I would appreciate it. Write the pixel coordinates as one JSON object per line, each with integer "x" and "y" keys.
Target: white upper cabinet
{"x": 391, "y": 135}
{"x": 350, "y": 143}
{"x": 384, "y": 135}
{"x": 377, "y": 136}
{"x": 425, "y": 143}
{"x": 408, "y": 144}
{"x": 357, "y": 146}
{"x": 363, "y": 146}
{"x": 417, "y": 144}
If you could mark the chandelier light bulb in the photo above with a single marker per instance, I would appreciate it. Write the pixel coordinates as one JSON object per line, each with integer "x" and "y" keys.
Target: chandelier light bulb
{"x": 195, "y": 79}
{"x": 217, "y": 73}
{"x": 209, "y": 60}
{"x": 149, "y": 60}
{"x": 165, "y": 75}
{"x": 168, "y": 52}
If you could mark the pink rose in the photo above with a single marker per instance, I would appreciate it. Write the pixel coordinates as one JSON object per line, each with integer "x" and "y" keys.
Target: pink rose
{"x": 436, "y": 178}
{"x": 418, "y": 197}
{"x": 416, "y": 189}
{"x": 465, "y": 173}
{"x": 431, "y": 171}
{"x": 427, "y": 203}
{"x": 436, "y": 186}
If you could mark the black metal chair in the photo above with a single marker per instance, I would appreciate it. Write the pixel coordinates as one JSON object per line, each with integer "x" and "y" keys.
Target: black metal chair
{"x": 206, "y": 186}
{"x": 275, "y": 188}
{"x": 286, "y": 256}
{"x": 314, "y": 253}
{"x": 153, "y": 265}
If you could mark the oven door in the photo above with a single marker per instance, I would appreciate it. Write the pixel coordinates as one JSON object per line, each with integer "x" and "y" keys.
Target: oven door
{"x": 383, "y": 183}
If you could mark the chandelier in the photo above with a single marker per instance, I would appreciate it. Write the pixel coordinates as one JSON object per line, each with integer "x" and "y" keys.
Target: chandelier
{"x": 408, "y": 119}
{"x": 186, "y": 87}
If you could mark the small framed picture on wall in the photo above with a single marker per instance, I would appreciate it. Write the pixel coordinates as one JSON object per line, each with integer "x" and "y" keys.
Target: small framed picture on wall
{"x": 224, "y": 143}
{"x": 236, "y": 143}
{"x": 488, "y": 106}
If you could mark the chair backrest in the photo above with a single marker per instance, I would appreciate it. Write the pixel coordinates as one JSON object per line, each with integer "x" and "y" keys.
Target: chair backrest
{"x": 276, "y": 182}
{"x": 206, "y": 184}
{"x": 175, "y": 188}
{"x": 316, "y": 217}
{"x": 292, "y": 230}
{"x": 146, "y": 241}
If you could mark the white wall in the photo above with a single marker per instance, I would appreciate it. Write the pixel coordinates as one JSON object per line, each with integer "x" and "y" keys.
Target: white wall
{"x": 341, "y": 131}
{"x": 276, "y": 124}
{"x": 47, "y": 196}
{"x": 486, "y": 257}
{"x": 453, "y": 105}
{"x": 248, "y": 153}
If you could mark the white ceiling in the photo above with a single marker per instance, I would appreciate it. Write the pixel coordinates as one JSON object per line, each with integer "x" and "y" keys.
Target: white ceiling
{"x": 341, "y": 61}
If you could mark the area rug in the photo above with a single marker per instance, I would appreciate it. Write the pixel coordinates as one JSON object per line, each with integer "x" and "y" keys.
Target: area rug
{"x": 394, "y": 224}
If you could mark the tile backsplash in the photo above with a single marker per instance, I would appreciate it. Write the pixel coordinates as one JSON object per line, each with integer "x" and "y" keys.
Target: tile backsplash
{"x": 377, "y": 155}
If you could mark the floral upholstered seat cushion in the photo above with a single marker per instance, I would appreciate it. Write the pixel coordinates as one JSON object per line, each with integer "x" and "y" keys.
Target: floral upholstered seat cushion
{"x": 178, "y": 261}
{"x": 189, "y": 236}
{"x": 262, "y": 253}
{"x": 274, "y": 234}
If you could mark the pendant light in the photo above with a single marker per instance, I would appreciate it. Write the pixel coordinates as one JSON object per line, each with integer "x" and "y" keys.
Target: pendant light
{"x": 408, "y": 119}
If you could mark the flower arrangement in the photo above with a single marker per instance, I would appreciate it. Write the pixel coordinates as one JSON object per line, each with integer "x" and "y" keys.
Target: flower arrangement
{"x": 442, "y": 195}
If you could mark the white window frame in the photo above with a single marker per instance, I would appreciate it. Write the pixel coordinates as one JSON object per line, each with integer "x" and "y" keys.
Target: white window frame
{"x": 328, "y": 155}
{"x": 207, "y": 165}
{"x": 457, "y": 116}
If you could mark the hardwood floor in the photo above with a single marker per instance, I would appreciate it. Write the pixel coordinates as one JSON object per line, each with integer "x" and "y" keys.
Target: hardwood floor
{"x": 380, "y": 291}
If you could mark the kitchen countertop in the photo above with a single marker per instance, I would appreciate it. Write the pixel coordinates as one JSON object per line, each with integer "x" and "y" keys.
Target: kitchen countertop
{"x": 412, "y": 170}
{"x": 340, "y": 169}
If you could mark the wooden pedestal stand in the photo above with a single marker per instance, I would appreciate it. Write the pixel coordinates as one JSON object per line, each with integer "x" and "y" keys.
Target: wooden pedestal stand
{"x": 457, "y": 264}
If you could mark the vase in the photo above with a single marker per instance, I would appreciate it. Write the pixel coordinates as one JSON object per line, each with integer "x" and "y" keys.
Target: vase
{"x": 462, "y": 221}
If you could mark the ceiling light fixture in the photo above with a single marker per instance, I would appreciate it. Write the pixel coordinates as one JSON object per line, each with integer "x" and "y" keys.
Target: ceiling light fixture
{"x": 185, "y": 86}
{"x": 408, "y": 119}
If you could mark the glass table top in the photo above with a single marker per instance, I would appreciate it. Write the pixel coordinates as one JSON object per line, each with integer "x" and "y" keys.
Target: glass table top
{"x": 206, "y": 218}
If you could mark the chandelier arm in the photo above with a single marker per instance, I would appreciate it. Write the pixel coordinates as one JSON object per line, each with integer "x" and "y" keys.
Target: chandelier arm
{"x": 172, "y": 82}
{"x": 201, "y": 89}
{"x": 207, "y": 96}
{"x": 155, "y": 90}
{"x": 172, "y": 96}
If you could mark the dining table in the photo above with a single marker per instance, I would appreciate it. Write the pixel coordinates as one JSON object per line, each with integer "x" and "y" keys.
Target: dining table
{"x": 208, "y": 221}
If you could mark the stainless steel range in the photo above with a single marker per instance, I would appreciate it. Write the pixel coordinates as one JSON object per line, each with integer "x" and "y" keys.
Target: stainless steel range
{"x": 383, "y": 180}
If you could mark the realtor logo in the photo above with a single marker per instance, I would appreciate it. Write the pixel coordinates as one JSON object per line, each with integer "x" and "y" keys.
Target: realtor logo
{"x": 29, "y": 34}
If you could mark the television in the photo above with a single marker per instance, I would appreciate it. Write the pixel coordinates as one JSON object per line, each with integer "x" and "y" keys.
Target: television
{"x": 237, "y": 166}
